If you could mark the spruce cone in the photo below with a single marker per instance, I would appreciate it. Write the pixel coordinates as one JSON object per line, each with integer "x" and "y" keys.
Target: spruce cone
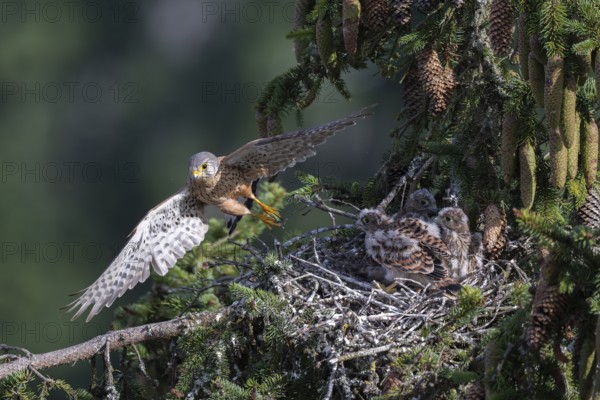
{"x": 597, "y": 73}
{"x": 274, "y": 126}
{"x": 501, "y": 23}
{"x": 494, "y": 232}
{"x": 536, "y": 48}
{"x": 261, "y": 123}
{"x": 351, "y": 21}
{"x": 536, "y": 79}
{"x": 589, "y": 151}
{"x": 475, "y": 391}
{"x": 569, "y": 119}
{"x": 573, "y": 154}
{"x": 414, "y": 95}
{"x": 301, "y": 11}
{"x": 553, "y": 91}
{"x": 427, "y": 6}
{"x": 437, "y": 81}
{"x": 324, "y": 39}
{"x": 548, "y": 307}
{"x": 527, "y": 176}
{"x": 558, "y": 159}
{"x": 508, "y": 146}
{"x": 589, "y": 213}
{"x": 584, "y": 63}
{"x": 401, "y": 12}
{"x": 523, "y": 47}
{"x": 376, "y": 13}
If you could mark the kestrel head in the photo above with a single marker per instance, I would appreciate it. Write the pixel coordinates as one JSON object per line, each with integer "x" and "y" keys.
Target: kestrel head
{"x": 371, "y": 219}
{"x": 421, "y": 202}
{"x": 453, "y": 219}
{"x": 203, "y": 165}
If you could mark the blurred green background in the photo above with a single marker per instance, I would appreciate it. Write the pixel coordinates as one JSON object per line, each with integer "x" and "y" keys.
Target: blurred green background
{"x": 102, "y": 103}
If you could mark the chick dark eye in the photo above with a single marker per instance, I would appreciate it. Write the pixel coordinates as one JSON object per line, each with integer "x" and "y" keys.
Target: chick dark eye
{"x": 424, "y": 202}
{"x": 447, "y": 219}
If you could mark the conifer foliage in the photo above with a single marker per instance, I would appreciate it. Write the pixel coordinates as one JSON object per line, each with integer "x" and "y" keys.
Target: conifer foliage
{"x": 497, "y": 108}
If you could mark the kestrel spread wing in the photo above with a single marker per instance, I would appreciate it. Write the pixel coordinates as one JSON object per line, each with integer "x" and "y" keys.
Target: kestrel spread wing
{"x": 266, "y": 157}
{"x": 159, "y": 240}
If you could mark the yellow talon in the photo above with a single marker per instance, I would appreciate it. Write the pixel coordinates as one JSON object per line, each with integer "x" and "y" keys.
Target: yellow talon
{"x": 270, "y": 211}
{"x": 388, "y": 289}
{"x": 269, "y": 221}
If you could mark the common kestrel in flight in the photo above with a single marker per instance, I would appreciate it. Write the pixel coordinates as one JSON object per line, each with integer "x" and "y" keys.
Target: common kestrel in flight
{"x": 178, "y": 224}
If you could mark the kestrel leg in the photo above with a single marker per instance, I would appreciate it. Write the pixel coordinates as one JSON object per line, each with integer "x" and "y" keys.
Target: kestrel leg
{"x": 270, "y": 211}
{"x": 271, "y": 214}
{"x": 233, "y": 207}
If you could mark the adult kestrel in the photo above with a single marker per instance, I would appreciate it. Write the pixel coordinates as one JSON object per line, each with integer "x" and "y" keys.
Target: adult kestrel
{"x": 178, "y": 224}
{"x": 455, "y": 233}
{"x": 407, "y": 247}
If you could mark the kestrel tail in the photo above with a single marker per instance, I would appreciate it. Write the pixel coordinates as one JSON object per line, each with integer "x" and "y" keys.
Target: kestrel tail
{"x": 407, "y": 247}
{"x": 454, "y": 227}
{"x": 178, "y": 224}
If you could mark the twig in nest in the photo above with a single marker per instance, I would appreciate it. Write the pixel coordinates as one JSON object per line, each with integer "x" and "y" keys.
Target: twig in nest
{"x": 330, "y": 383}
{"x": 361, "y": 353}
{"x": 411, "y": 174}
{"x": 322, "y": 206}
{"x": 315, "y": 232}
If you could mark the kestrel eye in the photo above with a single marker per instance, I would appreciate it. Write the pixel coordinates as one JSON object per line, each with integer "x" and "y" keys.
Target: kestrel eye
{"x": 204, "y": 166}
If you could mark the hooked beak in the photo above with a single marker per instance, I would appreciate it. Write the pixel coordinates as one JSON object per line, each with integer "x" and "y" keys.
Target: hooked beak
{"x": 197, "y": 173}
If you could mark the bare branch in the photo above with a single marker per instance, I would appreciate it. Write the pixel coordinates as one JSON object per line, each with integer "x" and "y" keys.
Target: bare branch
{"x": 112, "y": 340}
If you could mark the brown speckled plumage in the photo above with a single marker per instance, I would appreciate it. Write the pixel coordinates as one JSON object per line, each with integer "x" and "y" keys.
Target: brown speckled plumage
{"x": 454, "y": 227}
{"x": 408, "y": 247}
{"x": 178, "y": 224}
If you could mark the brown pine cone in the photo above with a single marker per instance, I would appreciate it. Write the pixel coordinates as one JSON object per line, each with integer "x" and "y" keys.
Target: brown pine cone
{"x": 414, "y": 94}
{"x": 494, "y": 232}
{"x": 589, "y": 213}
{"x": 350, "y": 21}
{"x": 437, "y": 81}
{"x": 501, "y": 24}
{"x": 401, "y": 12}
{"x": 549, "y": 306}
{"x": 376, "y": 14}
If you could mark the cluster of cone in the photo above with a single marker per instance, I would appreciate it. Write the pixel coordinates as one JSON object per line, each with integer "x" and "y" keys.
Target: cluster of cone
{"x": 573, "y": 137}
